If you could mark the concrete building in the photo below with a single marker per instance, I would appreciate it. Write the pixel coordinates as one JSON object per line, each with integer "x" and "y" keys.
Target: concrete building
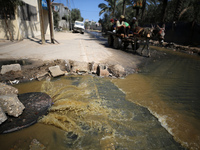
{"x": 64, "y": 14}
{"x": 24, "y": 21}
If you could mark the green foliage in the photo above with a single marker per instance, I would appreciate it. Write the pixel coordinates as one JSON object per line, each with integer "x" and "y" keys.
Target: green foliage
{"x": 9, "y": 6}
{"x": 109, "y": 8}
{"x": 76, "y": 15}
{"x": 86, "y": 24}
{"x": 155, "y": 11}
{"x": 6, "y": 4}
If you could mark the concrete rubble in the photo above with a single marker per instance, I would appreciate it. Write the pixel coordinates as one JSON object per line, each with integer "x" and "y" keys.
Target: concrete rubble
{"x": 56, "y": 71}
{"x": 3, "y": 116}
{"x": 102, "y": 71}
{"x": 8, "y": 68}
{"x": 57, "y": 68}
{"x": 117, "y": 70}
{"x": 9, "y": 102}
{"x": 11, "y": 105}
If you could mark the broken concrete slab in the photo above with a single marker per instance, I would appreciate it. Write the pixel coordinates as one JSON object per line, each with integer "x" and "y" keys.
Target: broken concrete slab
{"x": 40, "y": 77}
{"x": 2, "y": 116}
{"x": 77, "y": 66}
{"x": 11, "y": 105}
{"x": 8, "y": 68}
{"x": 6, "y": 89}
{"x": 56, "y": 71}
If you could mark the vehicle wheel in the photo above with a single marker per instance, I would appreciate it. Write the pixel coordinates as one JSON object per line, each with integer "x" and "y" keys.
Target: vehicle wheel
{"x": 110, "y": 40}
{"x": 82, "y": 32}
{"x": 117, "y": 43}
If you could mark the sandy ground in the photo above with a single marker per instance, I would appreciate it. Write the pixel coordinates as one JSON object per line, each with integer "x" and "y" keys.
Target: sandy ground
{"x": 73, "y": 46}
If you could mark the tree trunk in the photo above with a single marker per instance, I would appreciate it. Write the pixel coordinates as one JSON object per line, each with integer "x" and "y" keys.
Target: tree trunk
{"x": 41, "y": 22}
{"x": 143, "y": 8}
{"x": 163, "y": 14}
{"x": 6, "y": 22}
{"x": 50, "y": 20}
{"x": 137, "y": 12}
{"x": 114, "y": 7}
{"x": 124, "y": 7}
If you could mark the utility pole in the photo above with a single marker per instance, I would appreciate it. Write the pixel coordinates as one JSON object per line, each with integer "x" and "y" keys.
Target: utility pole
{"x": 41, "y": 21}
{"x": 50, "y": 20}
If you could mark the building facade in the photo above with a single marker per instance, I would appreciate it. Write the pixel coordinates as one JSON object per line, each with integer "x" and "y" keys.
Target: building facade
{"x": 24, "y": 21}
{"x": 64, "y": 14}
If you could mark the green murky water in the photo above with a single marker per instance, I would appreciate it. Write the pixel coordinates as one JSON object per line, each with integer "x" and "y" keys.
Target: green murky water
{"x": 155, "y": 109}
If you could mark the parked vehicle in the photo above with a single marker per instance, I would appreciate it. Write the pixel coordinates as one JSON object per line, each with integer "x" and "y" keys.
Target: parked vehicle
{"x": 79, "y": 27}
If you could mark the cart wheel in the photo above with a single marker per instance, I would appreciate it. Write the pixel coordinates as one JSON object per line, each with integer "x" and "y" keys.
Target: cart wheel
{"x": 117, "y": 43}
{"x": 110, "y": 40}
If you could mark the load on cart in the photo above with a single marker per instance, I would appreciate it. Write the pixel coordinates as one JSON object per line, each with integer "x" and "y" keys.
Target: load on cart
{"x": 121, "y": 34}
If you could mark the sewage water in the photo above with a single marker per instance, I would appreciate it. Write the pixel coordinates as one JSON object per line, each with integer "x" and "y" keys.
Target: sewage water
{"x": 155, "y": 109}
{"x": 169, "y": 87}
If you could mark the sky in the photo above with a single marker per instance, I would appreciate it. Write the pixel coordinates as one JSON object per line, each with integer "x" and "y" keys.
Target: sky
{"x": 88, "y": 8}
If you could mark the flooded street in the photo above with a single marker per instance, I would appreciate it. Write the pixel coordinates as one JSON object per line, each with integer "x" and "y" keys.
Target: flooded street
{"x": 169, "y": 88}
{"x": 90, "y": 113}
{"x": 157, "y": 108}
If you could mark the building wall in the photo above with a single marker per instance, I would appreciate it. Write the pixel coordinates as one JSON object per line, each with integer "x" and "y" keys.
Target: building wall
{"x": 25, "y": 25}
{"x": 62, "y": 11}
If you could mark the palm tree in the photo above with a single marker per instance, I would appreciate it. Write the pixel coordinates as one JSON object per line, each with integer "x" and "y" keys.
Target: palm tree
{"x": 110, "y": 8}
{"x": 178, "y": 9}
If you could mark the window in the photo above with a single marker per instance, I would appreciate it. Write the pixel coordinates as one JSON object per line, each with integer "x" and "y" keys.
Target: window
{"x": 9, "y": 12}
{"x": 28, "y": 12}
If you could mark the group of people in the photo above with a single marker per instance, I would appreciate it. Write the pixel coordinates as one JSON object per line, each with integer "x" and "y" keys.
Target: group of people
{"x": 121, "y": 26}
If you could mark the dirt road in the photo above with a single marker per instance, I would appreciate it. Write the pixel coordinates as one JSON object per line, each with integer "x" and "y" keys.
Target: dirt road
{"x": 73, "y": 46}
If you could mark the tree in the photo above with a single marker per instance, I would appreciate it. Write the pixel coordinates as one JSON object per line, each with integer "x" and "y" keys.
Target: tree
{"x": 56, "y": 18}
{"x": 163, "y": 13}
{"x": 124, "y": 7}
{"x": 110, "y": 8}
{"x": 8, "y": 9}
{"x": 178, "y": 9}
{"x": 76, "y": 15}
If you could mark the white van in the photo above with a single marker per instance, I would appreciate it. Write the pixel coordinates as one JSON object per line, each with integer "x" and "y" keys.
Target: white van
{"x": 79, "y": 27}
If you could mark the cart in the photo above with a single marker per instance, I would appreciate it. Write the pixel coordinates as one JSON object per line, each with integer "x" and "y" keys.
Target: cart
{"x": 118, "y": 41}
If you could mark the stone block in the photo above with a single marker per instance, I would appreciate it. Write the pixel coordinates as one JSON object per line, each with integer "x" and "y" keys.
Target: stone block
{"x": 11, "y": 105}
{"x": 67, "y": 66}
{"x": 56, "y": 71}
{"x": 117, "y": 70}
{"x": 8, "y": 68}
{"x": 92, "y": 67}
{"x": 42, "y": 76}
{"x": 77, "y": 66}
{"x": 2, "y": 116}
{"x": 102, "y": 71}
{"x": 6, "y": 89}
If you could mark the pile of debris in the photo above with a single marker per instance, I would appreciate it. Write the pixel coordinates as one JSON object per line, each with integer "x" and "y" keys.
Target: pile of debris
{"x": 176, "y": 47}
{"x": 9, "y": 102}
{"x": 14, "y": 73}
